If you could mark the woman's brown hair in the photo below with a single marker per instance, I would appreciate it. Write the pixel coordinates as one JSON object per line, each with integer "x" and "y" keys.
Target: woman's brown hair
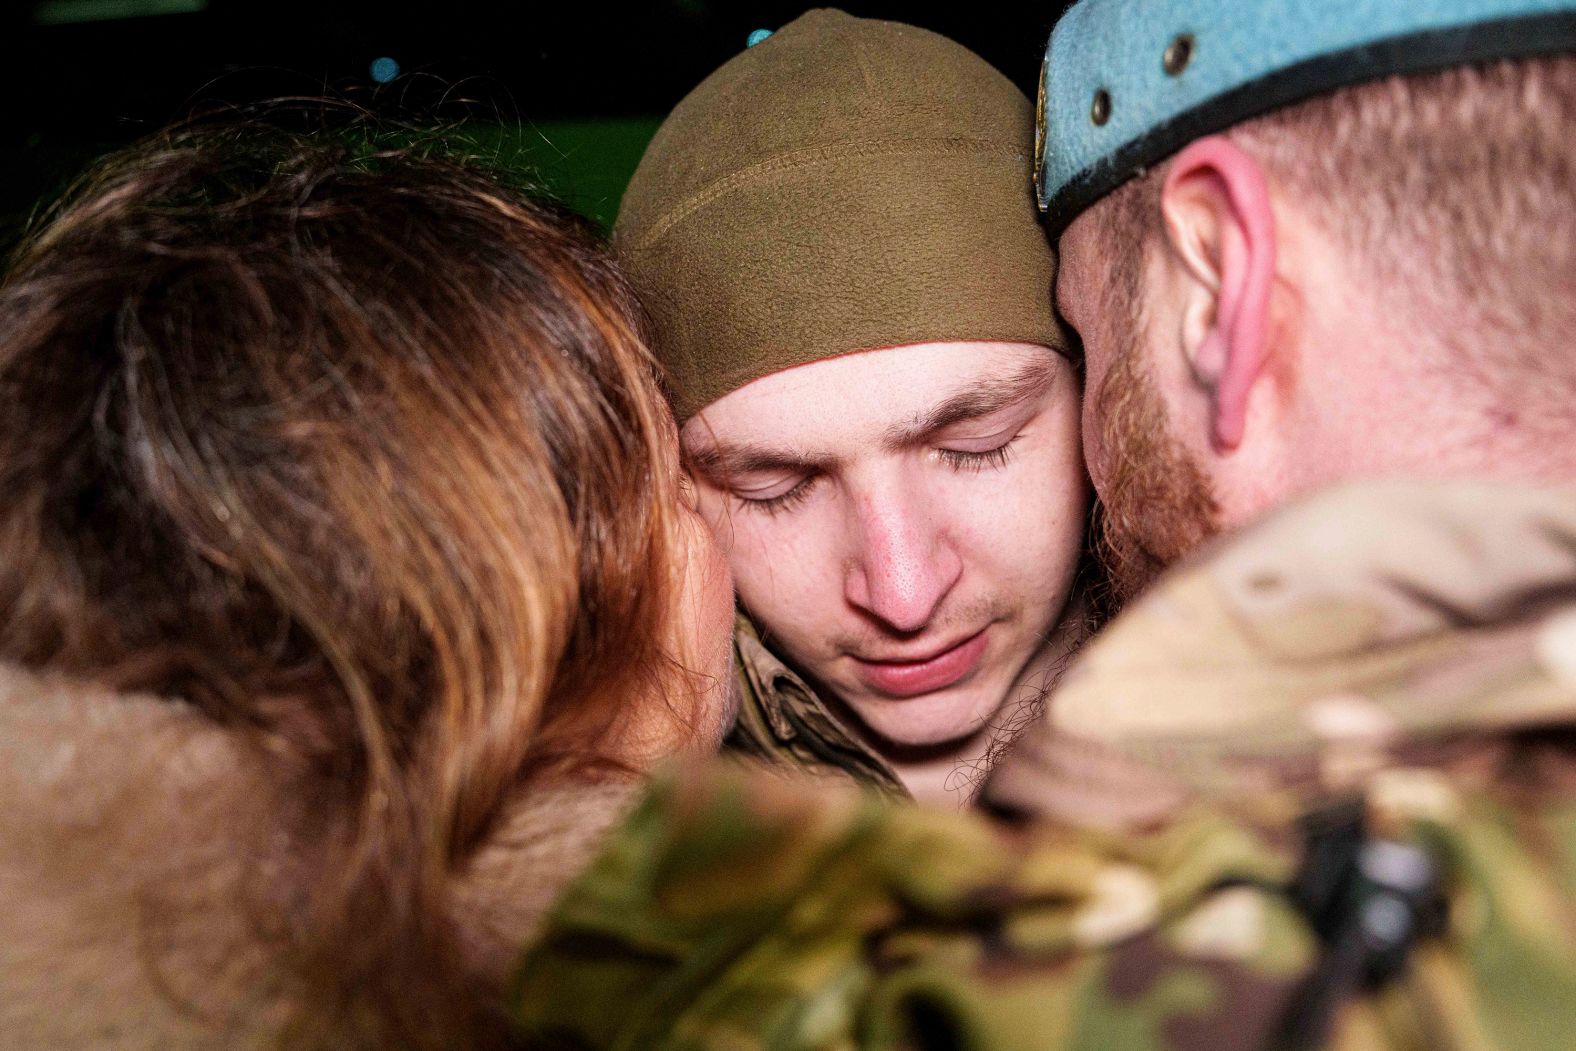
{"x": 357, "y": 451}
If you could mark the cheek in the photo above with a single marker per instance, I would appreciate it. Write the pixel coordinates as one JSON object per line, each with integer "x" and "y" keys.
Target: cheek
{"x": 715, "y": 511}
{"x": 1092, "y": 413}
{"x": 1034, "y": 559}
{"x": 708, "y": 603}
{"x": 719, "y": 601}
{"x": 785, "y": 568}
{"x": 1094, "y": 447}
{"x": 707, "y": 582}
{"x": 1030, "y": 525}
{"x": 718, "y": 587}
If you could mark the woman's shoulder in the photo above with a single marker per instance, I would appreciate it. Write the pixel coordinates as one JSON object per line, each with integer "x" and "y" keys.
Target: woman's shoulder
{"x": 131, "y": 844}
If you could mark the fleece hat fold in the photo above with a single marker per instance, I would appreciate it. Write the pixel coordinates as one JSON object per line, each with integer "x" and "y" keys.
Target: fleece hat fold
{"x": 847, "y": 184}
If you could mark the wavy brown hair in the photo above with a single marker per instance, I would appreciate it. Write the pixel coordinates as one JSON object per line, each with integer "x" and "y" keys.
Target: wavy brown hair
{"x": 359, "y": 452}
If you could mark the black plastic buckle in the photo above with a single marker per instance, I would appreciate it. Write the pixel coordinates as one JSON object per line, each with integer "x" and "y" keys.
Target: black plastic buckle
{"x": 1371, "y": 901}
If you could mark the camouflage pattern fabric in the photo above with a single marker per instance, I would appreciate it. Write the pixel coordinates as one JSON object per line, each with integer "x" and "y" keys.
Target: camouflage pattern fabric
{"x": 784, "y": 725}
{"x": 1302, "y": 653}
{"x": 1224, "y": 822}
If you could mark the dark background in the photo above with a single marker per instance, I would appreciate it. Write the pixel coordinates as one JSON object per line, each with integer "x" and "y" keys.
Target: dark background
{"x": 572, "y": 90}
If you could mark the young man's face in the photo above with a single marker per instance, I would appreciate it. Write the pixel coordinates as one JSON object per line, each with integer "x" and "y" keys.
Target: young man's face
{"x": 903, "y": 524}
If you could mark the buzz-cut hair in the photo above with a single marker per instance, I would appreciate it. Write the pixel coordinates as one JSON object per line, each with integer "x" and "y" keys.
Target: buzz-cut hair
{"x": 1453, "y": 191}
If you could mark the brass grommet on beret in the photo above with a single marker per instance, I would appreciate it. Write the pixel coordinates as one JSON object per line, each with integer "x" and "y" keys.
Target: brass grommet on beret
{"x": 1100, "y": 110}
{"x": 1178, "y": 53}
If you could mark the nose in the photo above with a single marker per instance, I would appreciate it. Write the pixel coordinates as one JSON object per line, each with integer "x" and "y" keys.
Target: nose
{"x": 903, "y": 565}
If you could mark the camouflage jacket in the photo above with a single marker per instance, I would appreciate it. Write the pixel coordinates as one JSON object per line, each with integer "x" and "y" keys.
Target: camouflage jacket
{"x": 1318, "y": 789}
{"x": 783, "y": 723}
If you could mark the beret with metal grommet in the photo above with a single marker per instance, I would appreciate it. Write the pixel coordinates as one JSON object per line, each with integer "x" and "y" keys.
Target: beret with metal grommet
{"x": 1127, "y": 83}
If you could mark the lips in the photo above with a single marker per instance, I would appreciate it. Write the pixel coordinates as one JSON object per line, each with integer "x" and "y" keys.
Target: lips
{"x": 935, "y": 672}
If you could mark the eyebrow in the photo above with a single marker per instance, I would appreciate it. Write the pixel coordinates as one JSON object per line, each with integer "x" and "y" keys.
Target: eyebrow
{"x": 989, "y": 396}
{"x": 723, "y": 460}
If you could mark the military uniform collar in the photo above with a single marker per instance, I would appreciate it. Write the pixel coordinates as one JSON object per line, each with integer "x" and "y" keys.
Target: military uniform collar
{"x": 782, "y": 719}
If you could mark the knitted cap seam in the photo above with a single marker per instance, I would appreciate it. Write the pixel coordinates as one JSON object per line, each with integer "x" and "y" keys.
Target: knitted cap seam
{"x": 814, "y": 155}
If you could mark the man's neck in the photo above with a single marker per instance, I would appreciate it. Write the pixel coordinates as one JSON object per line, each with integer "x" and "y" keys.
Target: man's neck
{"x": 949, "y": 777}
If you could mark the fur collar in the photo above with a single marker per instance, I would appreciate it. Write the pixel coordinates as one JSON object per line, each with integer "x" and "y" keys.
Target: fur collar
{"x": 134, "y": 838}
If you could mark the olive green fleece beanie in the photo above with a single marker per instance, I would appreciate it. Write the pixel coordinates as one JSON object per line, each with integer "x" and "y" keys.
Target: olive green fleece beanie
{"x": 847, "y": 184}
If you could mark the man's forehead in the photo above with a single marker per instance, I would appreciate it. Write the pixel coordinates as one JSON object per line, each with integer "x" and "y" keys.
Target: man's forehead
{"x": 826, "y": 407}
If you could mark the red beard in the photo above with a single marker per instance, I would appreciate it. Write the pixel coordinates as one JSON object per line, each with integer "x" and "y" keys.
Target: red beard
{"x": 1156, "y": 504}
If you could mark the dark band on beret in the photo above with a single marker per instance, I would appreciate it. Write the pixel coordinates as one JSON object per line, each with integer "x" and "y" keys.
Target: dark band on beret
{"x": 1526, "y": 36}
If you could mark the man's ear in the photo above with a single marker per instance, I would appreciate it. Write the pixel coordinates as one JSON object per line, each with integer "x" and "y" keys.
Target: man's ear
{"x": 1220, "y": 226}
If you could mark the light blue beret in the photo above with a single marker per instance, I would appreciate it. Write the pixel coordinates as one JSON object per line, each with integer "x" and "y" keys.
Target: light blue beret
{"x": 1127, "y": 83}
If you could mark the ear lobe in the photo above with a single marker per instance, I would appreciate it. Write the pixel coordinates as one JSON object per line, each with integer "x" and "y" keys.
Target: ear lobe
{"x": 1221, "y": 227}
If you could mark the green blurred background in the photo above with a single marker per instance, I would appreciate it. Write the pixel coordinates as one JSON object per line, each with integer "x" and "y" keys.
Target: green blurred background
{"x": 585, "y": 163}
